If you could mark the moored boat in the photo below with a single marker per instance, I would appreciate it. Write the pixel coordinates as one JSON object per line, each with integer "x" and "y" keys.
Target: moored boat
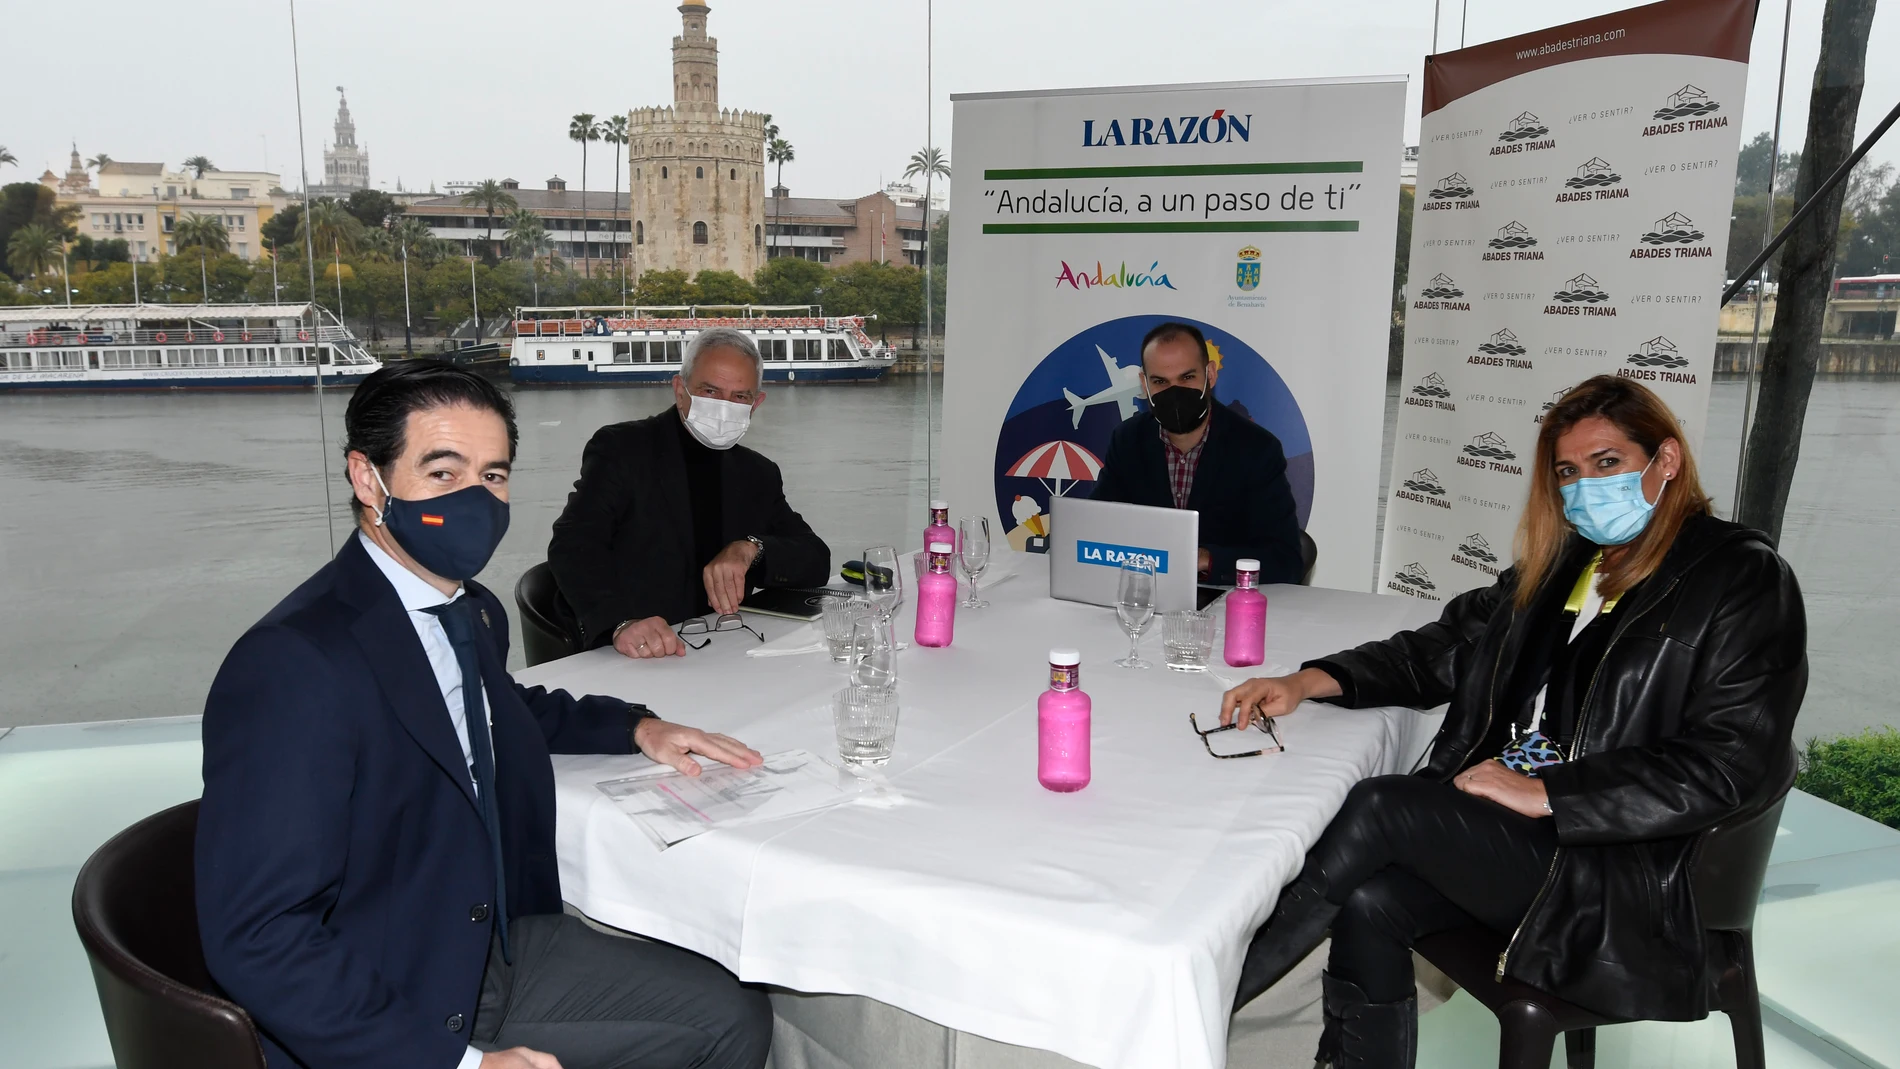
{"x": 597, "y": 346}
{"x": 177, "y": 346}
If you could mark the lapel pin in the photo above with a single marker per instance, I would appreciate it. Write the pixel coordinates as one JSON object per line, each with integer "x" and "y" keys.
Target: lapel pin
{"x": 485, "y": 622}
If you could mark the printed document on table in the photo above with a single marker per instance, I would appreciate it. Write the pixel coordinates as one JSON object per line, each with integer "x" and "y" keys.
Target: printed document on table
{"x": 671, "y": 807}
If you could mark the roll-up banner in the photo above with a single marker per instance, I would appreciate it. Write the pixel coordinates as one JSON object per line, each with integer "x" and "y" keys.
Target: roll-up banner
{"x": 1574, "y": 188}
{"x": 1263, "y": 213}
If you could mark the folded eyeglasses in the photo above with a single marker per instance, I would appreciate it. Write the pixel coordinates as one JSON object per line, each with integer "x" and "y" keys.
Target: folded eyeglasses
{"x": 1265, "y": 724}
{"x": 730, "y": 621}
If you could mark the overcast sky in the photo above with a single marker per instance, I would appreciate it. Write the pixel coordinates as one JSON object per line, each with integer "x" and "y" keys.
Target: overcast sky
{"x": 484, "y": 89}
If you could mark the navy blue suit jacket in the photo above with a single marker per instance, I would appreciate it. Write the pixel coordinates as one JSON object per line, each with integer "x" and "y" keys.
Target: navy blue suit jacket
{"x": 1240, "y": 490}
{"x": 344, "y": 878}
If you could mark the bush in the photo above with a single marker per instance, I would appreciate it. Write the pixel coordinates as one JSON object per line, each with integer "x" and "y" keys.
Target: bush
{"x": 1856, "y": 772}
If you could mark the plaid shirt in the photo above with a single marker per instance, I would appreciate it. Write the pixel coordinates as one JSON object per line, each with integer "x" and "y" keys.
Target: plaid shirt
{"x": 1181, "y": 465}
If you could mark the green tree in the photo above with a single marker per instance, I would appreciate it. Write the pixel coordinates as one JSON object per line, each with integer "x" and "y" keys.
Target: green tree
{"x": 283, "y": 229}
{"x": 22, "y": 203}
{"x": 891, "y": 292}
{"x": 333, "y": 228}
{"x": 779, "y": 151}
{"x": 723, "y": 287}
{"x": 1874, "y": 246}
{"x": 789, "y": 280}
{"x": 372, "y": 207}
{"x": 414, "y": 236}
{"x": 613, "y": 131}
{"x": 92, "y": 255}
{"x": 490, "y": 197}
{"x": 98, "y": 161}
{"x": 34, "y": 250}
{"x": 583, "y": 128}
{"x": 1860, "y": 773}
{"x": 7, "y": 157}
{"x": 528, "y": 240}
{"x": 208, "y": 234}
{"x": 1401, "y": 273}
{"x": 112, "y": 284}
{"x": 198, "y": 165}
{"x": 664, "y": 287}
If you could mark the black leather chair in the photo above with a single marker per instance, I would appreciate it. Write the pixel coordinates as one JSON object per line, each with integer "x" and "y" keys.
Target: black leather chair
{"x": 1309, "y": 555}
{"x": 1726, "y": 882}
{"x": 135, "y": 907}
{"x": 543, "y": 638}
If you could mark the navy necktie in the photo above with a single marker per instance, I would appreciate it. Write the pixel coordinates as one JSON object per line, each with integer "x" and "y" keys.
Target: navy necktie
{"x": 458, "y": 619}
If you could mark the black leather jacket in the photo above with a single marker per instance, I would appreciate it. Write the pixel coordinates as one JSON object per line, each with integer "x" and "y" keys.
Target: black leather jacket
{"x": 1686, "y": 722}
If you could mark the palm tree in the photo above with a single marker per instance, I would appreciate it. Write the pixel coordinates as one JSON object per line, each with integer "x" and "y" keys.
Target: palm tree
{"x": 930, "y": 162}
{"x": 771, "y": 128}
{"x": 614, "y": 132}
{"x": 779, "y": 152}
{"x": 34, "y": 249}
{"x": 331, "y": 224}
{"x": 583, "y": 128}
{"x": 491, "y": 197}
{"x": 7, "y": 157}
{"x": 528, "y": 238}
{"x": 208, "y": 233}
{"x": 98, "y": 161}
{"x": 198, "y": 165}
{"x": 414, "y": 235}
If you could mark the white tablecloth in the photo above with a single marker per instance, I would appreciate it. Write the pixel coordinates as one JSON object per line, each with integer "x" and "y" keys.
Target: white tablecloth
{"x": 1105, "y": 925}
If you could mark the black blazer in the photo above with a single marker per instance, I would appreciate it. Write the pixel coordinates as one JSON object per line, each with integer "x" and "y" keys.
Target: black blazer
{"x": 623, "y": 547}
{"x": 340, "y": 858}
{"x": 1240, "y": 490}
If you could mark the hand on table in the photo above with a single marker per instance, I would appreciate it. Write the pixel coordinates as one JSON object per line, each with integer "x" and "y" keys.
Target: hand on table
{"x": 1204, "y": 562}
{"x": 1274, "y": 696}
{"x": 651, "y": 637}
{"x": 519, "y": 1058}
{"x": 675, "y": 744}
{"x": 725, "y": 576}
{"x": 1512, "y": 790}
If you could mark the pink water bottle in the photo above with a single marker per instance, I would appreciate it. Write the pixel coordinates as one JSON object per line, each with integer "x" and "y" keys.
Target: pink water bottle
{"x": 937, "y": 598}
{"x": 940, "y": 529}
{"x": 1246, "y": 617}
{"x": 1062, "y": 726}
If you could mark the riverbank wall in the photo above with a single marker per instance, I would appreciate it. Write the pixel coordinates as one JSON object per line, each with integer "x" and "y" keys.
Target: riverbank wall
{"x": 1838, "y": 357}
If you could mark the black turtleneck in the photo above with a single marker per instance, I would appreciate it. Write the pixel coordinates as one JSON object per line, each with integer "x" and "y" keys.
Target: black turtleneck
{"x": 705, "y": 490}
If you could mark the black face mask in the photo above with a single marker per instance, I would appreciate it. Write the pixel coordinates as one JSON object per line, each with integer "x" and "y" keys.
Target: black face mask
{"x": 453, "y": 535}
{"x": 1179, "y": 408}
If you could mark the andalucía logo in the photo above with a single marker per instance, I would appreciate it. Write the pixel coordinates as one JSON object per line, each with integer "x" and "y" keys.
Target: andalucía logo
{"x": 1527, "y": 133}
{"x": 1247, "y": 270}
{"x": 1475, "y": 552}
{"x": 1581, "y": 295}
{"x": 1658, "y": 352}
{"x": 1431, "y": 392}
{"x": 1503, "y": 343}
{"x": 1451, "y": 187}
{"x": 1120, "y": 278}
{"x": 1442, "y": 287}
{"x": 1688, "y": 108}
{"x": 1595, "y": 180}
{"x": 1412, "y": 579}
{"x": 1514, "y": 242}
{"x": 1490, "y": 452}
{"x": 1423, "y": 488}
{"x": 1214, "y": 129}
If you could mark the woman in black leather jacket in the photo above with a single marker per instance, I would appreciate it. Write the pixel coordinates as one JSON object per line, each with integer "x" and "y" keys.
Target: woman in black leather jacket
{"x": 1632, "y": 680}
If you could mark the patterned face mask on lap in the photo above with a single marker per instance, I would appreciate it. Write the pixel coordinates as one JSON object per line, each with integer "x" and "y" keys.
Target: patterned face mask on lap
{"x": 453, "y": 535}
{"x": 1610, "y": 509}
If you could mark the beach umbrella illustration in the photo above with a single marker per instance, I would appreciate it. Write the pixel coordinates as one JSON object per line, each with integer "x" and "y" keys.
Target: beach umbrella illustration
{"x": 1058, "y": 462}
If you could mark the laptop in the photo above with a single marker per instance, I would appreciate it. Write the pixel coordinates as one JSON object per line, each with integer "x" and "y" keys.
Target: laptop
{"x": 1089, "y": 540}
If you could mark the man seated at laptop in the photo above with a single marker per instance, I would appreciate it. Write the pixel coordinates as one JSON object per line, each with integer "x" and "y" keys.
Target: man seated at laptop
{"x": 672, "y": 519}
{"x": 1189, "y": 451}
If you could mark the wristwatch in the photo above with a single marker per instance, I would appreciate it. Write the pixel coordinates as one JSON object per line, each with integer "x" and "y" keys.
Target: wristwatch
{"x": 760, "y": 543}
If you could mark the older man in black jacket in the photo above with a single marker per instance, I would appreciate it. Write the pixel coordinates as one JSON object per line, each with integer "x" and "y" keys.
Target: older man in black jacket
{"x": 672, "y": 519}
{"x": 1189, "y": 451}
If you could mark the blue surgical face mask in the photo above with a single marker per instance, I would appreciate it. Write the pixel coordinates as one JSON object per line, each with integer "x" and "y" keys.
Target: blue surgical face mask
{"x": 453, "y": 535}
{"x": 1610, "y": 509}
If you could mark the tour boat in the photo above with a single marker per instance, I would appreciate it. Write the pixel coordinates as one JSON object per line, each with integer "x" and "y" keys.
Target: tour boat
{"x": 645, "y": 345}
{"x": 177, "y": 347}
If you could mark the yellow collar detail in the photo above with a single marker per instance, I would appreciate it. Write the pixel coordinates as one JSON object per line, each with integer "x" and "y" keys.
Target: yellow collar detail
{"x": 1582, "y": 590}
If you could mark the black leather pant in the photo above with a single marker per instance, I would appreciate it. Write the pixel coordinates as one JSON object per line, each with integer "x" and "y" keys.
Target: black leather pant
{"x": 1407, "y": 857}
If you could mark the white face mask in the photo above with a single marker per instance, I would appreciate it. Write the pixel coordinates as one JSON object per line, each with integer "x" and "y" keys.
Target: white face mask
{"x": 717, "y": 424}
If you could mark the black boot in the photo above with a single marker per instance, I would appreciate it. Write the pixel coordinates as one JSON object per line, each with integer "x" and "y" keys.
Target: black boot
{"x": 1368, "y": 1035}
{"x": 1297, "y": 925}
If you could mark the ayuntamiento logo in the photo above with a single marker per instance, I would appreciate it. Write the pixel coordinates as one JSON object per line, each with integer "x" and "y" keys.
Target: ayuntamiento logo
{"x": 1247, "y": 269}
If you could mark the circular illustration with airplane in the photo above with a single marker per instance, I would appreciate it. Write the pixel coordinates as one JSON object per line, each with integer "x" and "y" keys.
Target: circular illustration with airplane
{"x": 1056, "y": 432}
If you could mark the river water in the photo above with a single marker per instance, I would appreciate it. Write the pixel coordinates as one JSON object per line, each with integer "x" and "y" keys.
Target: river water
{"x": 141, "y": 534}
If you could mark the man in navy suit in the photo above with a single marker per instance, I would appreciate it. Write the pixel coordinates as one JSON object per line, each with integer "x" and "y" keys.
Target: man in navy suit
{"x": 1189, "y": 451}
{"x": 375, "y": 853}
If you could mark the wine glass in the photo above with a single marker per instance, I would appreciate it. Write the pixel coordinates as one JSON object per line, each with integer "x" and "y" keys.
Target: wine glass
{"x": 883, "y": 583}
{"x": 973, "y": 552}
{"x": 1135, "y": 604}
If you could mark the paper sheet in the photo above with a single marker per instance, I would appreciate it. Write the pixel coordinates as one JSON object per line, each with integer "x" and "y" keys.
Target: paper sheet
{"x": 672, "y": 807}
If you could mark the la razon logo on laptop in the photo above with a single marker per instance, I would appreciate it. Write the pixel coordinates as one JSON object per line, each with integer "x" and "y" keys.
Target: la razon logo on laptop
{"x": 1110, "y": 555}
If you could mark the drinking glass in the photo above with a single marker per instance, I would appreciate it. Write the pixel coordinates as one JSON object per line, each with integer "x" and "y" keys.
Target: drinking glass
{"x": 840, "y": 612}
{"x": 883, "y": 583}
{"x": 874, "y": 652}
{"x": 973, "y": 552}
{"x": 1187, "y": 637}
{"x": 1135, "y": 604}
{"x": 866, "y": 720}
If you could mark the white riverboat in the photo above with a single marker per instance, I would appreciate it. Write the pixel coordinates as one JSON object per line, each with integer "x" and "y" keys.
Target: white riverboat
{"x": 644, "y": 345}
{"x": 177, "y": 346}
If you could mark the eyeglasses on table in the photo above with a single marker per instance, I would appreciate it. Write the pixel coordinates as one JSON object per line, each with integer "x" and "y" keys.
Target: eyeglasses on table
{"x": 1265, "y": 724}
{"x": 730, "y": 621}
